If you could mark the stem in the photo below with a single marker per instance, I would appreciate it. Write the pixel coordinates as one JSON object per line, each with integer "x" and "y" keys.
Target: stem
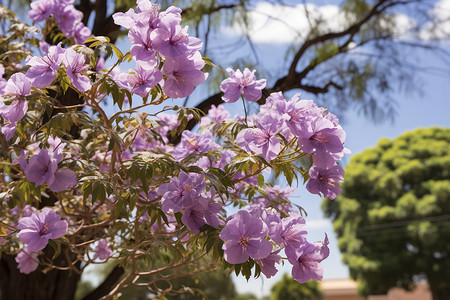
{"x": 245, "y": 110}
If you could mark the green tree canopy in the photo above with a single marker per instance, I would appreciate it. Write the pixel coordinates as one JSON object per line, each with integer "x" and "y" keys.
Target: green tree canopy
{"x": 289, "y": 289}
{"x": 393, "y": 216}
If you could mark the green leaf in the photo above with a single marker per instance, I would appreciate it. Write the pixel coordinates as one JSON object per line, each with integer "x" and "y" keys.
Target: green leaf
{"x": 56, "y": 246}
{"x": 260, "y": 178}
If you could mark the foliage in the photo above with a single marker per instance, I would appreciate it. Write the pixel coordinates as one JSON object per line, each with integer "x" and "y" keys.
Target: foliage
{"x": 392, "y": 216}
{"x": 289, "y": 289}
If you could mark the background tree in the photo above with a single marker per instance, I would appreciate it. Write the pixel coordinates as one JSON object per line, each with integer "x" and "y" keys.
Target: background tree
{"x": 393, "y": 216}
{"x": 289, "y": 289}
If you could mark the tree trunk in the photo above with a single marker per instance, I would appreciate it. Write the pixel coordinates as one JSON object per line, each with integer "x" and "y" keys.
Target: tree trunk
{"x": 440, "y": 290}
{"x": 55, "y": 284}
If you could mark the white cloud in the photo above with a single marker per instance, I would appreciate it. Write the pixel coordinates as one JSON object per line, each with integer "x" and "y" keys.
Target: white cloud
{"x": 441, "y": 29}
{"x": 318, "y": 224}
{"x": 275, "y": 23}
{"x": 281, "y": 24}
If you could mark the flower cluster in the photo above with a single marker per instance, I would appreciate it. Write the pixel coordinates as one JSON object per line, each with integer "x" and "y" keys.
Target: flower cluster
{"x": 246, "y": 236}
{"x": 14, "y": 91}
{"x": 157, "y": 36}
{"x": 316, "y": 132}
{"x": 67, "y": 17}
{"x": 244, "y": 84}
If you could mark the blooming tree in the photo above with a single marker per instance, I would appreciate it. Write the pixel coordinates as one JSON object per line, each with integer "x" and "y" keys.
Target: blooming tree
{"x": 81, "y": 186}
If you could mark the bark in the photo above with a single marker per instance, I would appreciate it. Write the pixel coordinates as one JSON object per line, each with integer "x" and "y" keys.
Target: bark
{"x": 107, "y": 285}
{"x": 440, "y": 290}
{"x": 55, "y": 284}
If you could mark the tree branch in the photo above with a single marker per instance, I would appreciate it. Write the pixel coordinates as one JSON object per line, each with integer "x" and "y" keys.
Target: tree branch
{"x": 107, "y": 285}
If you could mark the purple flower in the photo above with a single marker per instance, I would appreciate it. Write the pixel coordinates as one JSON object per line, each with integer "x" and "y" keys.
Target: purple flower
{"x": 192, "y": 143}
{"x": 171, "y": 40}
{"x": 242, "y": 83}
{"x": 306, "y": 258}
{"x": 102, "y": 250}
{"x": 81, "y": 33}
{"x": 299, "y": 113}
{"x": 9, "y": 130}
{"x": 18, "y": 85}
{"x": 64, "y": 179}
{"x": 41, "y": 10}
{"x": 244, "y": 237}
{"x": 218, "y": 113}
{"x": 267, "y": 264}
{"x": 36, "y": 230}
{"x": 144, "y": 79}
{"x": 289, "y": 232}
{"x": 43, "y": 69}
{"x": 182, "y": 191}
{"x": 67, "y": 18}
{"x": 200, "y": 213}
{"x": 126, "y": 19}
{"x": 27, "y": 261}
{"x": 183, "y": 74}
{"x": 75, "y": 65}
{"x": 43, "y": 167}
{"x": 324, "y": 141}
{"x": 262, "y": 140}
{"x": 15, "y": 111}
{"x": 325, "y": 181}
{"x": 142, "y": 49}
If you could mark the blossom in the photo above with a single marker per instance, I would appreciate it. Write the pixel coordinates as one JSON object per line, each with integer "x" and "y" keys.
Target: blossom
{"x": 171, "y": 40}
{"x": 27, "y": 261}
{"x": 244, "y": 237}
{"x": 41, "y": 10}
{"x": 200, "y": 213}
{"x": 9, "y": 130}
{"x": 289, "y": 231}
{"x": 324, "y": 141}
{"x": 181, "y": 191}
{"x": 306, "y": 260}
{"x": 192, "y": 143}
{"x": 15, "y": 111}
{"x": 43, "y": 70}
{"x": 80, "y": 33}
{"x": 18, "y": 85}
{"x": 67, "y": 17}
{"x": 218, "y": 113}
{"x": 43, "y": 167}
{"x": 36, "y": 230}
{"x": 325, "y": 181}
{"x": 267, "y": 264}
{"x": 144, "y": 79}
{"x": 75, "y": 65}
{"x": 242, "y": 83}
{"x": 262, "y": 140}
{"x": 102, "y": 250}
{"x": 183, "y": 74}
{"x": 141, "y": 50}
